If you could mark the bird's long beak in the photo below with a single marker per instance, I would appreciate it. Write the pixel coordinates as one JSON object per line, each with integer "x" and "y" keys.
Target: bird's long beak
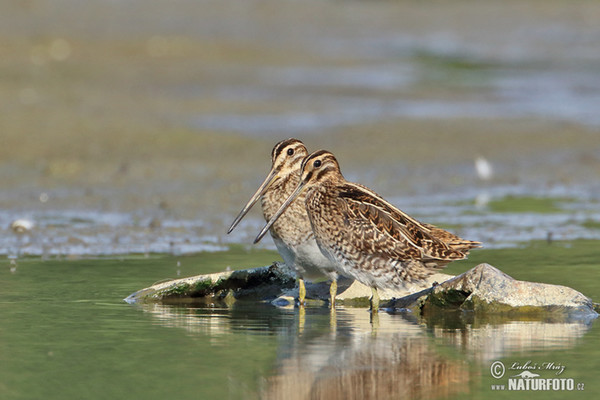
{"x": 271, "y": 177}
{"x": 299, "y": 189}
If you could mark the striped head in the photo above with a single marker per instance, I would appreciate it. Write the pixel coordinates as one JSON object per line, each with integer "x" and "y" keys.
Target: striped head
{"x": 287, "y": 156}
{"x": 318, "y": 167}
{"x": 286, "y": 159}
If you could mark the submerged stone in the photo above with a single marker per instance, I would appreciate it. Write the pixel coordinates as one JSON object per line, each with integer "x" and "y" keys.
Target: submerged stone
{"x": 483, "y": 289}
{"x": 353, "y": 293}
{"x": 253, "y": 284}
{"x": 486, "y": 289}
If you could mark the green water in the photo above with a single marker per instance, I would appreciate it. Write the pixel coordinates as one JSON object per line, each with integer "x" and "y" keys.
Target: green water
{"x": 66, "y": 333}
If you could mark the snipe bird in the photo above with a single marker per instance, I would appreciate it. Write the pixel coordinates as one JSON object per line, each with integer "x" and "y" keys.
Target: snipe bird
{"x": 366, "y": 237}
{"x": 291, "y": 232}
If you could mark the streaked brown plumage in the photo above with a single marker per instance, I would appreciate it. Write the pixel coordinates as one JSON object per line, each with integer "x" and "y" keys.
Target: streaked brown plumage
{"x": 368, "y": 238}
{"x": 292, "y": 232}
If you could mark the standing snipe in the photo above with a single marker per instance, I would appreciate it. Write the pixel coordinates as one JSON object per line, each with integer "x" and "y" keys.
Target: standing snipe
{"x": 291, "y": 233}
{"x": 368, "y": 238}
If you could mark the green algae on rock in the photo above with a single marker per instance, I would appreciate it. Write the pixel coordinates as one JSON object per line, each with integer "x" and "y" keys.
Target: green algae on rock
{"x": 487, "y": 290}
{"x": 255, "y": 284}
{"x": 483, "y": 289}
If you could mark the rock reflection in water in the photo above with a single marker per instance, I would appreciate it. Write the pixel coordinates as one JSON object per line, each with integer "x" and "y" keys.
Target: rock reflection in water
{"x": 487, "y": 341}
{"x": 212, "y": 323}
{"x": 341, "y": 355}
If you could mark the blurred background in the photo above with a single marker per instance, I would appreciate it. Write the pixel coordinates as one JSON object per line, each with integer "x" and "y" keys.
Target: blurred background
{"x": 144, "y": 126}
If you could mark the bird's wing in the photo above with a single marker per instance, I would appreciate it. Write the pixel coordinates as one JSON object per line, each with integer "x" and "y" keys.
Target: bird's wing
{"x": 377, "y": 227}
{"x": 451, "y": 239}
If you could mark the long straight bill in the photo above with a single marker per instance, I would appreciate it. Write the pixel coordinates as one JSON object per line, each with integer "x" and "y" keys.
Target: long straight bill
{"x": 261, "y": 190}
{"x": 281, "y": 210}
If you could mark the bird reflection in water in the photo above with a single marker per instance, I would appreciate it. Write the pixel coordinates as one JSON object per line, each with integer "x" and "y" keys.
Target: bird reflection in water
{"x": 342, "y": 355}
{"x": 357, "y": 361}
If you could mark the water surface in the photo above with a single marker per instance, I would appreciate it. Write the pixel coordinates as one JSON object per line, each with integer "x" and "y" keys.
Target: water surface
{"x": 136, "y": 130}
{"x": 67, "y": 328}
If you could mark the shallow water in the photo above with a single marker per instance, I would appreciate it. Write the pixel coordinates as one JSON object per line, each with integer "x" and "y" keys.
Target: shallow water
{"x": 499, "y": 216}
{"x": 140, "y": 128}
{"x": 66, "y": 328}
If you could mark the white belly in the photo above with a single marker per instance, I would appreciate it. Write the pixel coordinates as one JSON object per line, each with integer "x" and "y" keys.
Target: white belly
{"x": 306, "y": 259}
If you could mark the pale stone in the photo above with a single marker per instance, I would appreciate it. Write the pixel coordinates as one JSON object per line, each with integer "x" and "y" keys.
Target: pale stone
{"x": 483, "y": 289}
{"x": 486, "y": 289}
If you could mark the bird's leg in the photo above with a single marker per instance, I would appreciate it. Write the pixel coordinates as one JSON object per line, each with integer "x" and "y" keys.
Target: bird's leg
{"x": 332, "y": 320}
{"x": 301, "y": 291}
{"x": 374, "y": 319}
{"x": 301, "y": 319}
{"x": 374, "y": 300}
{"x": 332, "y": 293}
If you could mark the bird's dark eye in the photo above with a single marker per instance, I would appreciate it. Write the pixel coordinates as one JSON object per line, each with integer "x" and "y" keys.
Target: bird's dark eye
{"x": 317, "y": 163}
{"x": 290, "y": 152}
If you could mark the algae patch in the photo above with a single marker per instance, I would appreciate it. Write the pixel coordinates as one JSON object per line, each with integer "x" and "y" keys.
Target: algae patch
{"x": 448, "y": 300}
{"x": 527, "y": 204}
{"x": 255, "y": 283}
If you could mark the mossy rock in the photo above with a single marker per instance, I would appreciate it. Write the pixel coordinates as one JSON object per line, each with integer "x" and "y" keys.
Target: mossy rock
{"x": 482, "y": 290}
{"x": 257, "y": 283}
{"x": 487, "y": 290}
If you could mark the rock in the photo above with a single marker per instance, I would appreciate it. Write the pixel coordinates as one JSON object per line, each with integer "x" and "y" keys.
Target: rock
{"x": 354, "y": 293}
{"x": 485, "y": 289}
{"x": 275, "y": 283}
{"x": 254, "y": 284}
